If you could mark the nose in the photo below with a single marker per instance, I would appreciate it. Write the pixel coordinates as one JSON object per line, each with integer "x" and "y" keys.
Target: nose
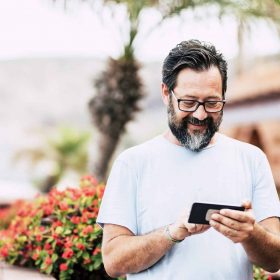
{"x": 200, "y": 113}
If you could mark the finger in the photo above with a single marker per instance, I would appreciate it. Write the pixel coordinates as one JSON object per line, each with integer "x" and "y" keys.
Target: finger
{"x": 230, "y": 223}
{"x": 226, "y": 231}
{"x": 192, "y": 228}
{"x": 196, "y": 228}
{"x": 199, "y": 228}
{"x": 204, "y": 228}
{"x": 247, "y": 204}
{"x": 239, "y": 216}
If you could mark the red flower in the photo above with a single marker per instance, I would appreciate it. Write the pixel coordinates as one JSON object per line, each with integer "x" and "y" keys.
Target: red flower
{"x": 68, "y": 244}
{"x": 68, "y": 253}
{"x": 59, "y": 243}
{"x": 42, "y": 228}
{"x": 88, "y": 229}
{"x": 38, "y": 248}
{"x": 96, "y": 251}
{"x": 35, "y": 256}
{"x": 4, "y": 252}
{"x": 91, "y": 215}
{"x": 63, "y": 267}
{"x": 57, "y": 224}
{"x": 88, "y": 180}
{"x": 47, "y": 246}
{"x": 84, "y": 219}
{"x": 75, "y": 220}
{"x": 90, "y": 192}
{"x": 93, "y": 180}
{"x": 50, "y": 252}
{"x": 63, "y": 206}
{"x": 33, "y": 213}
{"x": 48, "y": 210}
{"x": 76, "y": 194}
{"x": 87, "y": 260}
{"x": 39, "y": 237}
{"x": 101, "y": 192}
{"x": 48, "y": 261}
{"x": 80, "y": 246}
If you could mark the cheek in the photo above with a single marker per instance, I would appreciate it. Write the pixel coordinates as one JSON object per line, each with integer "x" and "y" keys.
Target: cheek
{"x": 217, "y": 117}
{"x": 175, "y": 114}
{"x": 179, "y": 116}
{"x": 182, "y": 120}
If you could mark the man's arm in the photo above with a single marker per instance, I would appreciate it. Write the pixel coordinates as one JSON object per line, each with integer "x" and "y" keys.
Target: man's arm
{"x": 263, "y": 248}
{"x": 261, "y": 241}
{"x": 123, "y": 252}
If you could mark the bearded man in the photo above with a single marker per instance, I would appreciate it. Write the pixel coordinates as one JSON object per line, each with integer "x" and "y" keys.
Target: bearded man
{"x": 151, "y": 187}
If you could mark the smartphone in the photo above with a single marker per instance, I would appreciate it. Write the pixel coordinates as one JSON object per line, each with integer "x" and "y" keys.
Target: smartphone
{"x": 201, "y": 212}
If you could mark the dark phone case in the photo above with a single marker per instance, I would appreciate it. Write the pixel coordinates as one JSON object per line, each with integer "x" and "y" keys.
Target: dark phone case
{"x": 199, "y": 211}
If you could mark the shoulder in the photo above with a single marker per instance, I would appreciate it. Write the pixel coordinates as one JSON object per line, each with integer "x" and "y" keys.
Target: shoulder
{"x": 243, "y": 149}
{"x": 141, "y": 151}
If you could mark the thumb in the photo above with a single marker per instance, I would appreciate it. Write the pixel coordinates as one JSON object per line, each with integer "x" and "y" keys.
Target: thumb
{"x": 247, "y": 205}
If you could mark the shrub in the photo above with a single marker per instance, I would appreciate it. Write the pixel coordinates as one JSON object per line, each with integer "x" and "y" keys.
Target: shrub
{"x": 57, "y": 233}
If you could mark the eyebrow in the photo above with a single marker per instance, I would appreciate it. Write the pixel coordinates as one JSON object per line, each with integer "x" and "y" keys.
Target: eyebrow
{"x": 195, "y": 97}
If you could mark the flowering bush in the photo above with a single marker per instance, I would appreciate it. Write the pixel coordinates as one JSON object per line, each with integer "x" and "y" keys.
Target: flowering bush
{"x": 57, "y": 233}
{"x": 8, "y": 213}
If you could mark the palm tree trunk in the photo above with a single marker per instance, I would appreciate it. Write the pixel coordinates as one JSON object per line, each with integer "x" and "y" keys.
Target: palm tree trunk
{"x": 107, "y": 145}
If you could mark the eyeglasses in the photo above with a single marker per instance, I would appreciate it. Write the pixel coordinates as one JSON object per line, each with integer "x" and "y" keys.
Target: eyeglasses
{"x": 189, "y": 105}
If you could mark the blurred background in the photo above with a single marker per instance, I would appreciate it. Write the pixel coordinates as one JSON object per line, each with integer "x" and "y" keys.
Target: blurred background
{"x": 80, "y": 81}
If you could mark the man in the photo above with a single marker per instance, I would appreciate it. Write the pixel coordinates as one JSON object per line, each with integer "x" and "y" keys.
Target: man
{"x": 152, "y": 186}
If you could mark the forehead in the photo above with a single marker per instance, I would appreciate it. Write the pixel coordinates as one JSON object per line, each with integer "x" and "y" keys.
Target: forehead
{"x": 206, "y": 82}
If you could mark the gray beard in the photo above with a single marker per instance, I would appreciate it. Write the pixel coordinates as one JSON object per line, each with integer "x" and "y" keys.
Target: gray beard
{"x": 197, "y": 140}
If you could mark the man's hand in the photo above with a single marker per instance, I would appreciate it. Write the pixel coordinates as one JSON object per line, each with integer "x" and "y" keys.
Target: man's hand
{"x": 182, "y": 229}
{"x": 235, "y": 225}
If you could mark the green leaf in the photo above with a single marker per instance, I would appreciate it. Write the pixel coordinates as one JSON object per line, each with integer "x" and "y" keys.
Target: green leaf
{"x": 49, "y": 269}
{"x": 67, "y": 231}
{"x": 91, "y": 267}
{"x": 59, "y": 230}
{"x": 22, "y": 238}
{"x": 86, "y": 255}
{"x": 97, "y": 264}
{"x": 54, "y": 257}
{"x": 50, "y": 240}
{"x": 79, "y": 254}
{"x": 37, "y": 263}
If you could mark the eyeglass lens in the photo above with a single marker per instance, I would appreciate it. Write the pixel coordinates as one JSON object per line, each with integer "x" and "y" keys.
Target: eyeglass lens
{"x": 209, "y": 106}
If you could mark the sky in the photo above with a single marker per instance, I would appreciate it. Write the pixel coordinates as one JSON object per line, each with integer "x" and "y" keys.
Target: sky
{"x": 42, "y": 28}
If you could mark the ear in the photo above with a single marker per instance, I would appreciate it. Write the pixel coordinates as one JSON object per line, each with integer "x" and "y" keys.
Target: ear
{"x": 165, "y": 94}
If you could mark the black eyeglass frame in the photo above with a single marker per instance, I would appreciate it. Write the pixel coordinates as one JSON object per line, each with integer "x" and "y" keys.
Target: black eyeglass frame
{"x": 198, "y": 103}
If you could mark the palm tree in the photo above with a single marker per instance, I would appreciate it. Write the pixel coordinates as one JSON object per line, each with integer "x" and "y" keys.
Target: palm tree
{"x": 119, "y": 90}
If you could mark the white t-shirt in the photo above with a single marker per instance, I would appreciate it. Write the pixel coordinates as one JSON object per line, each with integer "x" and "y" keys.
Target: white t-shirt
{"x": 152, "y": 183}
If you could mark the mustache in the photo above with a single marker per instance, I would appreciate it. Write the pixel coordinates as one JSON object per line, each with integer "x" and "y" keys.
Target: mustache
{"x": 195, "y": 121}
